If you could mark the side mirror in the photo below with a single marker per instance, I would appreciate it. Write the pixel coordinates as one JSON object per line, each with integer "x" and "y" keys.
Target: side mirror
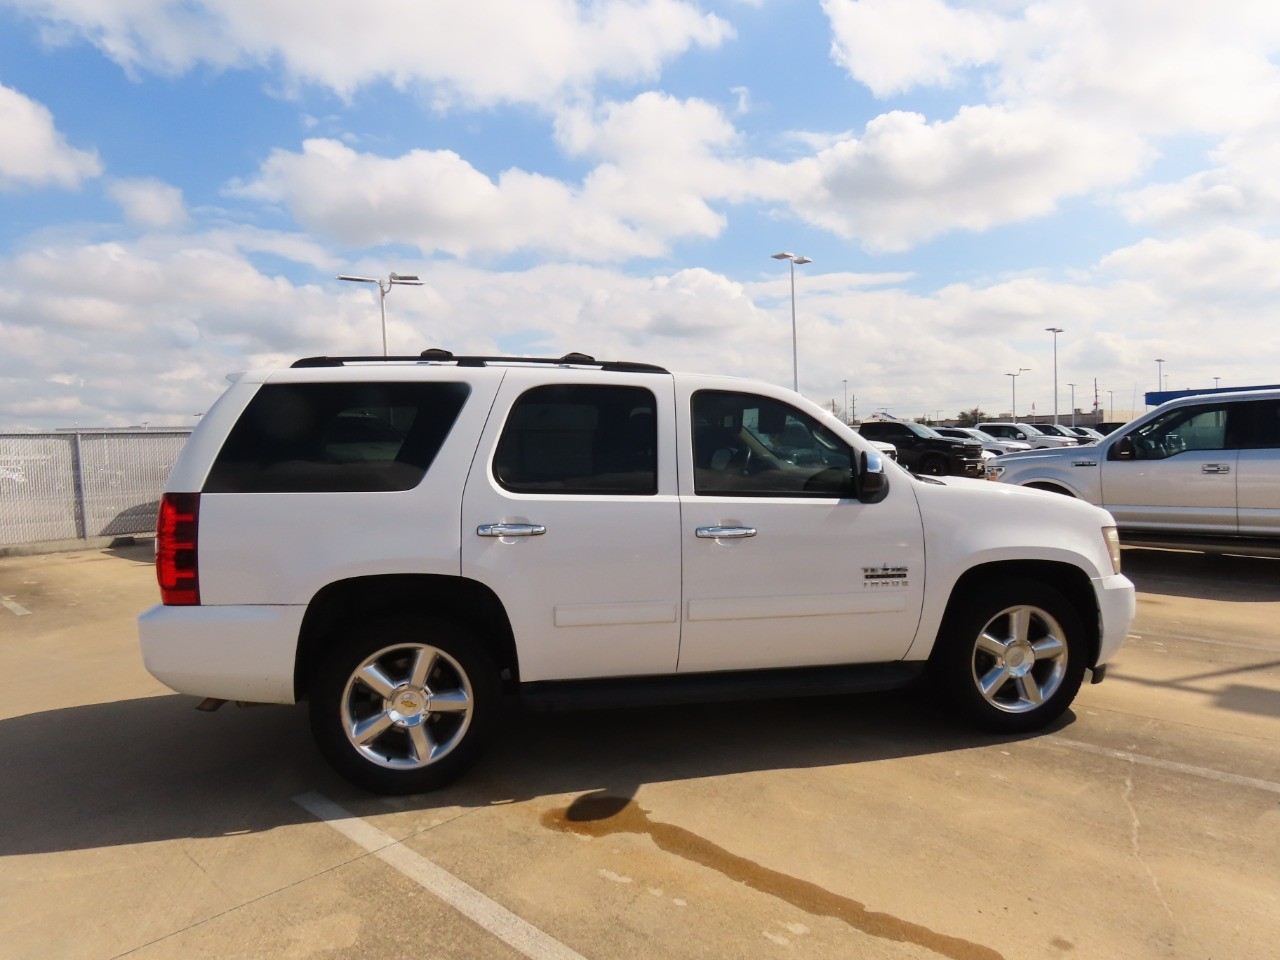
{"x": 1122, "y": 449}
{"x": 870, "y": 481}
{"x": 1020, "y": 436}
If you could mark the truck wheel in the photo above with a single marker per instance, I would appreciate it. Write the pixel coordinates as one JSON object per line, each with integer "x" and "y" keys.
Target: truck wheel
{"x": 1012, "y": 661}
{"x": 934, "y": 466}
{"x": 405, "y": 706}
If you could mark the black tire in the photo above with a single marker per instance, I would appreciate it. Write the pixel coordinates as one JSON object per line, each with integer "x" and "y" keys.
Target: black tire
{"x": 933, "y": 467}
{"x": 1033, "y": 681}
{"x": 389, "y": 731}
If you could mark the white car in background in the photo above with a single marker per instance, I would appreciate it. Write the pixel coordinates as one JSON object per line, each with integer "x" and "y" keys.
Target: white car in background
{"x": 1026, "y": 433}
{"x": 990, "y": 444}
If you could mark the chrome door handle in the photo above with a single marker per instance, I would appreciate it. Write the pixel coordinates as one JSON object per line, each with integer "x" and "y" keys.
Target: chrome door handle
{"x": 725, "y": 533}
{"x": 1215, "y": 468}
{"x": 510, "y": 530}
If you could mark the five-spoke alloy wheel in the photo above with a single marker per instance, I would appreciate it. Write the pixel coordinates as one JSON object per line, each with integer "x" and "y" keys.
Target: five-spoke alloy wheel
{"x": 403, "y": 707}
{"x": 1012, "y": 657}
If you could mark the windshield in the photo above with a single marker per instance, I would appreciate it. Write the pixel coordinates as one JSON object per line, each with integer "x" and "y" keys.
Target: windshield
{"x": 920, "y": 430}
{"x": 981, "y": 435}
{"x": 1029, "y": 430}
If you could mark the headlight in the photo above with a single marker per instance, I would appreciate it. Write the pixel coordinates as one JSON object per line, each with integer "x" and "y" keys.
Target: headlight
{"x": 1112, "y": 536}
{"x": 994, "y": 471}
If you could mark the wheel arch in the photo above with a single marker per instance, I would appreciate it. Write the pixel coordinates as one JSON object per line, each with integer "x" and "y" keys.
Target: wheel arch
{"x": 1050, "y": 486}
{"x": 343, "y": 603}
{"x": 1069, "y": 580}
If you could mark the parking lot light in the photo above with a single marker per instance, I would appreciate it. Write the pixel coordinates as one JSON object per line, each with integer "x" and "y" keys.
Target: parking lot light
{"x": 384, "y": 287}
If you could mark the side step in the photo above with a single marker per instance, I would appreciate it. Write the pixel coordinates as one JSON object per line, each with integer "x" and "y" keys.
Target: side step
{"x": 625, "y": 692}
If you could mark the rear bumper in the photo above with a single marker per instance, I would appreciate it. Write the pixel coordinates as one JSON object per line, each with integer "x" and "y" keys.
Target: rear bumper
{"x": 231, "y": 652}
{"x": 1117, "y": 604}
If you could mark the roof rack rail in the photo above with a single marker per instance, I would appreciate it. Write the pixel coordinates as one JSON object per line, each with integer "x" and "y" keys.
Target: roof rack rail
{"x": 437, "y": 355}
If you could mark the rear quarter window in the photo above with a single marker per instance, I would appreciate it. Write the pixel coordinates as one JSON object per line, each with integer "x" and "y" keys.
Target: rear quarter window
{"x": 336, "y": 437}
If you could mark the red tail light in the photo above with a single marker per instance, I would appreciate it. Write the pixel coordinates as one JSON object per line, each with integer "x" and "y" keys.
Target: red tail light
{"x": 176, "y": 549}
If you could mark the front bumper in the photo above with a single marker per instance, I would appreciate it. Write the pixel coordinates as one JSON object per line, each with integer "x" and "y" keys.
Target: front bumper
{"x": 229, "y": 652}
{"x": 1117, "y": 604}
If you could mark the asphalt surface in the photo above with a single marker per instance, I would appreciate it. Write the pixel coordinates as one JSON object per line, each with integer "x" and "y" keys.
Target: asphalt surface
{"x": 1147, "y": 825}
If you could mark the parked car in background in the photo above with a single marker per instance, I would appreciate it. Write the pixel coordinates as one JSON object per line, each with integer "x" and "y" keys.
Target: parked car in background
{"x": 1088, "y": 434}
{"x": 1200, "y": 471}
{"x": 923, "y": 450}
{"x": 989, "y": 443}
{"x": 1060, "y": 430}
{"x": 1025, "y": 432}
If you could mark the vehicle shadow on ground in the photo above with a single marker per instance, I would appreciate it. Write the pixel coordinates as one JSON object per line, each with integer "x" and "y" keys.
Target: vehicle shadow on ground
{"x": 154, "y": 769}
{"x": 1202, "y": 576}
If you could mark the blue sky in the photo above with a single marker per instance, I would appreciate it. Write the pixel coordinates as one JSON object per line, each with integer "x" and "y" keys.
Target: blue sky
{"x": 182, "y": 180}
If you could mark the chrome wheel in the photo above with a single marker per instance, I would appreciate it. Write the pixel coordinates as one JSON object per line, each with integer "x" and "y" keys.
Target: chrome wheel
{"x": 1019, "y": 659}
{"x": 407, "y": 706}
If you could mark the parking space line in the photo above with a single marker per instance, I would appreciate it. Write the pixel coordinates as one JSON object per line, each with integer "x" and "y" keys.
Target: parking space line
{"x": 467, "y": 900}
{"x": 1204, "y": 772}
{"x": 16, "y": 608}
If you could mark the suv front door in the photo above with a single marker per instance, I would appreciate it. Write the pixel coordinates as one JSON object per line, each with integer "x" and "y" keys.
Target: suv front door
{"x": 782, "y": 566}
{"x": 1177, "y": 472}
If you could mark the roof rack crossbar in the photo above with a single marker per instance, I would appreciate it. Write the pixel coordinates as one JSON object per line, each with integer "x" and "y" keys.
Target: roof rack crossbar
{"x": 436, "y": 355}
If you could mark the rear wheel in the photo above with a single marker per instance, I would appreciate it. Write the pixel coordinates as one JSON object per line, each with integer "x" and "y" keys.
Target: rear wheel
{"x": 1012, "y": 661}
{"x": 405, "y": 705}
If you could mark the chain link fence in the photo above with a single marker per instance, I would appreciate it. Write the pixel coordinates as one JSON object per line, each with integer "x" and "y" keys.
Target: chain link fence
{"x": 83, "y": 484}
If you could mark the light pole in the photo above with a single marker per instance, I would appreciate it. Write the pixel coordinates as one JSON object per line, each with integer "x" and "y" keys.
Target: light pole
{"x": 1111, "y": 399}
{"x": 1073, "y": 403}
{"x": 1055, "y": 331}
{"x": 1215, "y": 382}
{"x": 1159, "y": 374}
{"x": 846, "y": 400}
{"x": 384, "y": 287}
{"x": 1013, "y": 414}
{"x": 795, "y": 362}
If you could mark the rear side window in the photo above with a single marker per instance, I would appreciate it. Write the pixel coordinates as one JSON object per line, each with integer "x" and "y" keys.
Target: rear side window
{"x": 580, "y": 439}
{"x": 336, "y": 437}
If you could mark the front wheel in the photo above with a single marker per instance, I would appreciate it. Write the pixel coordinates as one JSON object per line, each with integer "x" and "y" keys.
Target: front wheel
{"x": 405, "y": 705}
{"x": 934, "y": 467}
{"x": 1012, "y": 661}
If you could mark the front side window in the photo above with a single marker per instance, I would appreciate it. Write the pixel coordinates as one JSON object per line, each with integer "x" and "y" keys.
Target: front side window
{"x": 336, "y": 437}
{"x": 1206, "y": 427}
{"x": 748, "y": 445}
{"x": 580, "y": 439}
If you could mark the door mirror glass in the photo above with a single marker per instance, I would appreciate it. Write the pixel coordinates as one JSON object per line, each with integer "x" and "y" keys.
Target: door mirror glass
{"x": 1122, "y": 449}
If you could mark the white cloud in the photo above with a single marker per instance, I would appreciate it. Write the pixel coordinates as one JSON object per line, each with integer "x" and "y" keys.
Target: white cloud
{"x": 33, "y": 152}
{"x": 149, "y": 203}
{"x": 480, "y": 52}
{"x": 907, "y": 180}
{"x": 1243, "y": 188}
{"x": 661, "y": 163}
{"x": 893, "y": 45}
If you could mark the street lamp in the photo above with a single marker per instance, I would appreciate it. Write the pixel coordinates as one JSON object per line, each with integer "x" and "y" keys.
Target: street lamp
{"x": 1159, "y": 374}
{"x": 1055, "y": 331}
{"x": 1013, "y": 414}
{"x": 384, "y": 287}
{"x": 1073, "y": 403}
{"x": 846, "y": 400}
{"x": 795, "y": 363}
{"x": 1215, "y": 382}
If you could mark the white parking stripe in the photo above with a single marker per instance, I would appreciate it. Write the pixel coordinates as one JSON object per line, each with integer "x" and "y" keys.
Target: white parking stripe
{"x": 470, "y": 902}
{"x": 1173, "y": 765}
{"x": 17, "y": 608}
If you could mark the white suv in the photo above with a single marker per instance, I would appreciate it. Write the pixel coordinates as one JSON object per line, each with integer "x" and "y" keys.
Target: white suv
{"x": 399, "y": 541}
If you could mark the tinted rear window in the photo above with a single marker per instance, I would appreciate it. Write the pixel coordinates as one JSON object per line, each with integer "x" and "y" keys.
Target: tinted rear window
{"x": 333, "y": 437}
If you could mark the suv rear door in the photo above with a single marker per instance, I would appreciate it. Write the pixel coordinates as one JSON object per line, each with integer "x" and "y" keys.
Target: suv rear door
{"x": 571, "y": 516}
